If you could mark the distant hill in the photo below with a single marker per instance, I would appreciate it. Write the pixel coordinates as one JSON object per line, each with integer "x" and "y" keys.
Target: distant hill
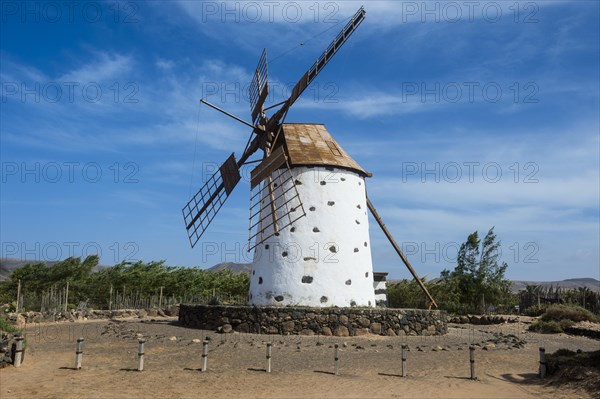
{"x": 231, "y": 266}
{"x": 569, "y": 284}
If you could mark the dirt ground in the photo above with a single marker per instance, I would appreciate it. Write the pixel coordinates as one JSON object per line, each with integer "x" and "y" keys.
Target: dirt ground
{"x": 302, "y": 366}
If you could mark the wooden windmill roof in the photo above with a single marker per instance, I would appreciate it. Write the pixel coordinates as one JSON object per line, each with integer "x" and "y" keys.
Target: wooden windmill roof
{"x": 312, "y": 145}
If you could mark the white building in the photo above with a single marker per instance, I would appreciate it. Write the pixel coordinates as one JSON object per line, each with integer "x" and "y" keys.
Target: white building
{"x": 324, "y": 258}
{"x": 380, "y": 288}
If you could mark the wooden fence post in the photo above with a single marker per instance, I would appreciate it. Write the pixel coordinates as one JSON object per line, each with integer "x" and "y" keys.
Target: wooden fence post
{"x": 66, "y": 297}
{"x": 18, "y": 296}
{"x": 269, "y": 347}
{"x": 404, "y": 348}
{"x": 18, "y": 351}
{"x": 336, "y": 359}
{"x": 110, "y": 298}
{"x": 472, "y": 361}
{"x": 79, "y": 353}
{"x": 542, "y": 372}
{"x": 141, "y": 354}
{"x": 204, "y": 354}
{"x": 160, "y": 298}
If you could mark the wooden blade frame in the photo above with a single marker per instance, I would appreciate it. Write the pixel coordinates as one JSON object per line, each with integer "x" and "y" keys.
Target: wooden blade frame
{"x": 320, "y": 63}
{"x": 259, "y": 87}
{"x": 206, "y": 203}
{"x": 263, "y": 171}
{"x": 399, "y": 251}
{"x": 278, "y": 194}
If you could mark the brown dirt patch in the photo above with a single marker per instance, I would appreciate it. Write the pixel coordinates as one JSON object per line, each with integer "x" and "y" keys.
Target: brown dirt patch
{"x": 437, "y": 366}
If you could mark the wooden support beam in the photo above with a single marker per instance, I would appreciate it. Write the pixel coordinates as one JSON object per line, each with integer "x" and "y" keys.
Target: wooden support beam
{"x": 399, "y": 251}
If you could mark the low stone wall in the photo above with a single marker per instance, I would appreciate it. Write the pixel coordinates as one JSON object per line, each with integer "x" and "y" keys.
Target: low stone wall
{"x": 586, "y": 329}
{"x": 483, "y": 319}
{"x": 21, "y": 319}
{"x": 341, "y": 322}
{"x": 7, "y": 349}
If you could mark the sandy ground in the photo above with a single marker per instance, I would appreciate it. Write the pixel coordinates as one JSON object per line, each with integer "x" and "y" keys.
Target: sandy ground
{"x": 438, "y": 367}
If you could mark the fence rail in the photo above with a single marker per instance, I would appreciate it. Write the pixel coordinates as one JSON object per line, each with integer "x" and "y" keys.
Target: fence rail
{"x": 60, "y": 298}
{"x": 537, "y": 297}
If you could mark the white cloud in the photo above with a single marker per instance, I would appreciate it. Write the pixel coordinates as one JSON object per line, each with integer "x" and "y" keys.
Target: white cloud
{"x": 165, "y": 64}
{"x": 374, "y": 104}
{"x": 550, "y": 223}
{"x": 104, "y": 67}
{"x": 67, "y": 125}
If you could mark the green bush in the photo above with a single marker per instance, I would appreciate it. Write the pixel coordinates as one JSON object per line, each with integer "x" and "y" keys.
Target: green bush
{"x": 563, "y": 352}
{"x": 6, "y": 326}
{"x": 565, "y": 324}
{"x": 564, "y": 359}
{"x": 137, "y": 281}
{"x": 558, "y": 318}
{"x": 546, "y": 327}
{"x": 568, "y": 312}
{"x": 535, "y": 310}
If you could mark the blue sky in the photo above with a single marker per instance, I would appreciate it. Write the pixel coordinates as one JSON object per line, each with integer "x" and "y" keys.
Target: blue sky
{"x": 469, "y": 116}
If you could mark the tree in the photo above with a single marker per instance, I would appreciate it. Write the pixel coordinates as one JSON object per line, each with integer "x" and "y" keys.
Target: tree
{"x": 407, "y": 294}
{"x": 478, "y": 278}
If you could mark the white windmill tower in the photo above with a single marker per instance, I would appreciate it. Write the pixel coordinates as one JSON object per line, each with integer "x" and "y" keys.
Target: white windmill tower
{"x": 324, "y": 257}
{"x": 308, "y": 212}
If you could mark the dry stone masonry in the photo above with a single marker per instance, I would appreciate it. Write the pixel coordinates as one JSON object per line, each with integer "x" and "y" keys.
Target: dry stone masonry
{"x": 7, "y": 349}
{"x": 22, "y": 319}
{"x": 341, "y": 322}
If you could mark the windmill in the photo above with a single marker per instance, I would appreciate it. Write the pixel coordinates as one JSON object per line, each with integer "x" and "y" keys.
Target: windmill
{"x": 308, "y": 203}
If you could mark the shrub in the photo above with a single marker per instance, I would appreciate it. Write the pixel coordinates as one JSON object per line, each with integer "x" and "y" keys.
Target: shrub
{"x": 565, "y": 324}
{"x": 566, "y": 312}
{"x": 6, "y": 326}
{"x": 546, "y": 327}
{"x": 535, "y": 310}
{"x": 563, "y": 352}
{"x": 558, "y": 318}
{"x": 564, "y": 359}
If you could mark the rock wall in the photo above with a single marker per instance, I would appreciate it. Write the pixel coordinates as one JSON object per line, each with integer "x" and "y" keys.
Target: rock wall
{"x": 483, "y": 320}
{"x": 7, "y": 349}
{"x": 341, "y": 322}
{"x": 21, "y": 319}
{"x": 586, "y": 329}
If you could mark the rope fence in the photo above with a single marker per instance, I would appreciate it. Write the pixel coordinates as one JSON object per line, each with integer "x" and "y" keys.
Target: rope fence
{"x": 334, "y": 351}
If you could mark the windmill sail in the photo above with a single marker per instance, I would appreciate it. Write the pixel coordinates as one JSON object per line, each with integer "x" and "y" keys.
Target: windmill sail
{"x": 320, "y": 63}
{"x": 272, "y": 180}
{"x": 259, "y": 87}
{"x": 206, "y": 203}
{"x": 274, "y": 204}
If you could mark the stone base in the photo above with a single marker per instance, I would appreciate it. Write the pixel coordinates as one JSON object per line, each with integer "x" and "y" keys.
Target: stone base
{"x": 341, "y": 322}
